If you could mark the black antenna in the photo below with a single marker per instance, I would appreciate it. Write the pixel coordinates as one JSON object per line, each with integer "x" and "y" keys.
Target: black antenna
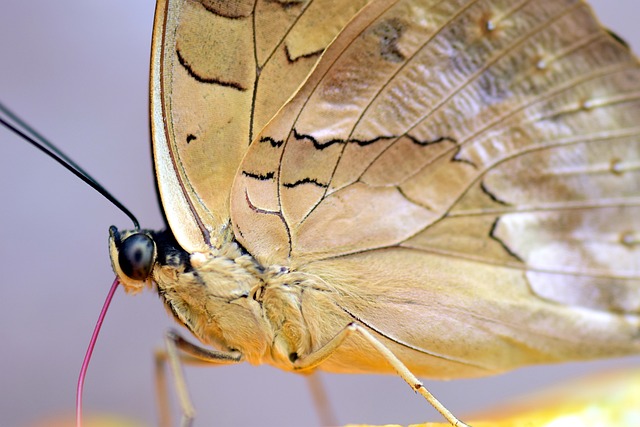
{"x": 22, "y": 129}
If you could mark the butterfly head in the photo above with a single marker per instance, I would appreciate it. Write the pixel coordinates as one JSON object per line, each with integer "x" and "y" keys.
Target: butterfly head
{"x": 133, "y": 256}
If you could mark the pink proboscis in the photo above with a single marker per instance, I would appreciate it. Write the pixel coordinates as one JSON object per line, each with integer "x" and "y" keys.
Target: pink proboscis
{"x": 87, "y": 356}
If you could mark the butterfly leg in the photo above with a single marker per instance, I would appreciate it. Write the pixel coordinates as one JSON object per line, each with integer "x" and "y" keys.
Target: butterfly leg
{"x": 178, "y": 351}
{"x": 320, "y": 399}
{"x": 314, "y": 359}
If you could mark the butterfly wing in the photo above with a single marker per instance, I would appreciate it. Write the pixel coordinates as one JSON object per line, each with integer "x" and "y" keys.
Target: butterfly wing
{"x": 474, "y": 161}
{"x": 220, "y": 70}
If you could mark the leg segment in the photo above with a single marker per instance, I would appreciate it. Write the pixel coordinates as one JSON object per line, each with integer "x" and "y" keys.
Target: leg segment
{"x": 320, "y": 399}
{"x": 178, "y": 351}
{"x": 314, "y": 359}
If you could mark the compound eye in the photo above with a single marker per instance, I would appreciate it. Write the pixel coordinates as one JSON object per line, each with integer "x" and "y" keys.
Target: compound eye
{"x": 135, "y": 256}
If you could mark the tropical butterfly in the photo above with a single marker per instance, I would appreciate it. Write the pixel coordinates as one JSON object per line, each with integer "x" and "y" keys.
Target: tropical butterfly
{"x": 139, "y": 316}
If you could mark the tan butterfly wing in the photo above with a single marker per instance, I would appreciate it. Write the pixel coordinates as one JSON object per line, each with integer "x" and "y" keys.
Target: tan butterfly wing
{"x": 220, "y": 70}
{"x": 474, "y": 161}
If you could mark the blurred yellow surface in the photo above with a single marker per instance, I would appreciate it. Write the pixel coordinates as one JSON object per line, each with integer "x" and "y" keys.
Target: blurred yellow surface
{"x": 606, "y": 400}
{"x": 106, "y": 420}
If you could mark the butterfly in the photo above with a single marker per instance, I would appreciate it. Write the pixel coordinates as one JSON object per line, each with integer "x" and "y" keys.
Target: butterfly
{"x": 267, "y": 172}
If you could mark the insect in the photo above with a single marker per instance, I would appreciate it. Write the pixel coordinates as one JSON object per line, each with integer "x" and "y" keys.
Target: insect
{"x": 194, "y": 393}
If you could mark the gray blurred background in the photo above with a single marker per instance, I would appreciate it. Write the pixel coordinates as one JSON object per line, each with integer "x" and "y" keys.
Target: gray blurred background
{"x": 77, "y": 70}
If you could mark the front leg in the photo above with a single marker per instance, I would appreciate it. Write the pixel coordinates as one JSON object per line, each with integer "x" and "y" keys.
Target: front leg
{"x": 178, "y": 351}
{"x": 314, "y": 359}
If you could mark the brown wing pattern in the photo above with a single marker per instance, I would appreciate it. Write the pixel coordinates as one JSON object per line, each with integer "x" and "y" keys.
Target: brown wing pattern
{"x": 220, "y": 71}
{"x": 501, "y": 132}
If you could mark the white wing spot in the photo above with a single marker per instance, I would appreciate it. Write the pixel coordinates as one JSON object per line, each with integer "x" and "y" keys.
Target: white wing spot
{"x": 628, "y": 239}
{"x": 588, "y": 104}
{"x": 616, "y": 166}
{"x": 490, "y": 25}
{"x": 541, "y": 64}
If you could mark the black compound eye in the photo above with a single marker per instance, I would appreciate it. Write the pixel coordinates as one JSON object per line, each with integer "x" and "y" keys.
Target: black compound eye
{"x": 136, "y": 256}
